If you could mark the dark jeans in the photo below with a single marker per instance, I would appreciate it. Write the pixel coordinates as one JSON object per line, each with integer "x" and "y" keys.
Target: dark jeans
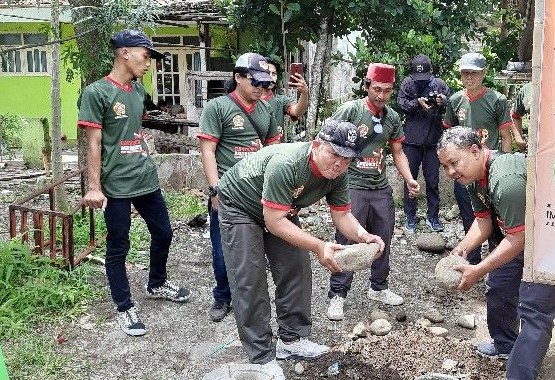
{"x": 375, "y": 212}
{"x": 117, "y": 215}
{"x": 467, "y": 216}
{"x": 536, "y": 311}
{"x": 427, "y": 156}
{"x": 502, "y": 287}
{"x": 221, "y": 291}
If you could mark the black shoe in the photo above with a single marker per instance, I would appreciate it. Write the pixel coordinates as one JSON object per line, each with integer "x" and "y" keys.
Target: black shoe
{"x": 219, "y": 310}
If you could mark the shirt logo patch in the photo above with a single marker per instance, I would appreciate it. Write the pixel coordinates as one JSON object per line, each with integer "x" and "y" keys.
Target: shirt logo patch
{"x": 297, "y": 191}
{"x": 238, "y": 122}
{"x": 372, "y": 162}
{"x": 461, "y": 114}
{"x": 119, "y": 109}
{"x": 363, "y": 130}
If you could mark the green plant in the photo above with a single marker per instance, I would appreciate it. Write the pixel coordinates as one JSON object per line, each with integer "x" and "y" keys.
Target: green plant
{"x": 34, "y": 290}
{"x": 11, "y": 133}
{"x": 183, "y": 204}
{"x": 33, "y": 356}
{"x": 32, "y": 141}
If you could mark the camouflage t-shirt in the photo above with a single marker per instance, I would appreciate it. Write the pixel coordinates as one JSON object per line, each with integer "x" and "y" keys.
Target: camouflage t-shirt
{"x": 486, "y": 113}
{"x": 282, "y": 177}
{"x": 127, "y": 170}
{"x": 370, "y": 171}
{"x": 504, "y": 190}
{"x": 223, "y": 122}
{"x": 522, "y": 102}
{"x": 281, "y": 105}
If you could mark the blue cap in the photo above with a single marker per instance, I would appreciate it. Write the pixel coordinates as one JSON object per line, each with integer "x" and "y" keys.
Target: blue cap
{"x": 134, "y": 38}
{"x": 257, "y": 66}
{"x": 472, "y": 61}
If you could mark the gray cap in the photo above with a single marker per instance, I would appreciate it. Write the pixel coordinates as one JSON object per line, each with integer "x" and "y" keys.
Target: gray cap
{"x": 472, "y": 61}
{"x": 342, "y": 136}
{"x": 256, "y": 64}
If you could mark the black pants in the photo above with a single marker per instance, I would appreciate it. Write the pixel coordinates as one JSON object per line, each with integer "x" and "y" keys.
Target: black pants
{"x": 427, "y": 157}
{"x": 117, "y": 215}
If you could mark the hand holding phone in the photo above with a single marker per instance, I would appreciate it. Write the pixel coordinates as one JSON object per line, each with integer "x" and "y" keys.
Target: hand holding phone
{"x": 295, "y": 68}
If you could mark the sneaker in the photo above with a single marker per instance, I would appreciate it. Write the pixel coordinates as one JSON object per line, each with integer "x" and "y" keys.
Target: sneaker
{"x": 169, "y": 290}
{"x": 219, "y": 310}
{"x": 271, "y": 370}
{"x": 130, "y": 323}
{"x": 386, "y": 296}
{"x": 488, "y": 350}
{"x": 303, "y": 349}
{"x": 434, "y": 224}
{"x": 335, "y": 309}
{"x": 410, "y": 224}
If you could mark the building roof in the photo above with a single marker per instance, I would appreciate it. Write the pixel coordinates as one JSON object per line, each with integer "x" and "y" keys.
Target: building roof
{"x": 174, "y": 10}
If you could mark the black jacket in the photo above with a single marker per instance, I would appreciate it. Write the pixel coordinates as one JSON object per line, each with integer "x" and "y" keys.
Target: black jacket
{"x": 423, "y": 128}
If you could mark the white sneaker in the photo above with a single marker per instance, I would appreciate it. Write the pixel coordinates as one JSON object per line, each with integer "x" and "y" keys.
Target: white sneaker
{"x": 335, "y": 309}
{"x": 270, "y": 371}
{"x": 386, "y": 296}
{"x": 301, "y": 349}
{"x": 130, "y": 323}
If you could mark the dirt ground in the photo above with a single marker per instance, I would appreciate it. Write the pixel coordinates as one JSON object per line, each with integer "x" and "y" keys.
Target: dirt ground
{"x": 182, "y": 342}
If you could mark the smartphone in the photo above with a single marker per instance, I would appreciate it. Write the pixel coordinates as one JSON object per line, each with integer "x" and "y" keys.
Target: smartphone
{"x": 295, "y": 68}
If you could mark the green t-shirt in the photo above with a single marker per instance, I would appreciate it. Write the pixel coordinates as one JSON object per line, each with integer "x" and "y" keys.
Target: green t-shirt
{"x": 370, "y": 171}
{"x": 223, "y": 122}
{"x": 280, "y": 105}
{"x": 522, "y": 102}
{"x": 504, "y": 191}
{"x": 282, "y": 177}
{"x": 487, "y": 113}
{"x": 127, "y": 170}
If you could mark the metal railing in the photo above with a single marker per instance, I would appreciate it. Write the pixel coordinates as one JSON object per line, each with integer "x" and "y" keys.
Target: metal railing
{"x": 48, "y": 245}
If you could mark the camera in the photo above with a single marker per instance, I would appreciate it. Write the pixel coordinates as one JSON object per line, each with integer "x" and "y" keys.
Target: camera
{"x": 431, "y": 99}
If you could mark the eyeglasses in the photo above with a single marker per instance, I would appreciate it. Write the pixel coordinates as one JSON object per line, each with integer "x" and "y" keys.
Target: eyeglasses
{"x": 258, "y": 83}
{"x": 378, "y": 128}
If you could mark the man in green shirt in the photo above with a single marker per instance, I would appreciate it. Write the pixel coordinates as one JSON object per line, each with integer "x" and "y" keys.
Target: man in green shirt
{"x": 370, "y": 192}
{"x": 484, "y": 110}
{"x": 259, "y": 199}
{"x": 281, "y": 104}
{"x": 521, "y": 107}
{"x": 232, "y": 127}
{"x": 121, "y": 172}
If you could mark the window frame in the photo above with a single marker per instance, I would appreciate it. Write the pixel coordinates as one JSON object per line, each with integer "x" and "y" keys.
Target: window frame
{"x": 23, "y": 58}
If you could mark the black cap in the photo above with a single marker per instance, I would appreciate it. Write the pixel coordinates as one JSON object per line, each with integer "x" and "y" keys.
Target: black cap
{"x": 421, "y": 67}
{"x": 342, "y": 136}
{"x": 134, "y": 38}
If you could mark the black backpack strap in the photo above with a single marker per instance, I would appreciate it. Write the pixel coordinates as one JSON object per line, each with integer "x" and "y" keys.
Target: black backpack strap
{"x": 254, "y": 125}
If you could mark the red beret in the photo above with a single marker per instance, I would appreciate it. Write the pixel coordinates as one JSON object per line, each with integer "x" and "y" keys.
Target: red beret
{"x": 380, "y": 72}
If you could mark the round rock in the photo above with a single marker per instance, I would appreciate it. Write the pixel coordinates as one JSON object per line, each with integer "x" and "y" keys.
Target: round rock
{"x": 445, "y": 274}
{"x": 467, "y": 321}
{"x": 356, "y": 257}
{"x": 431, "y": 242}
{"x": 378, "y": 314}
{"x": 380, "y": 327}
{"x": 238, "y": 372}
{"x": 438, "y": 331}
{"x": 434, "y": 316}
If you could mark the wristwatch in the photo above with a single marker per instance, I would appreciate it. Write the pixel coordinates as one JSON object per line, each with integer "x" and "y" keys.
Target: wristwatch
{"x": 212, "y": 191}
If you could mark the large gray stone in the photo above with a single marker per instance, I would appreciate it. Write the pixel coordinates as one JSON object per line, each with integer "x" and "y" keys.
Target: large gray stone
{"x": 431, "y": 242}
{"x": 356, "y": 257}
{"x": 178, "y": 171}
{"x": 445, "y": 274}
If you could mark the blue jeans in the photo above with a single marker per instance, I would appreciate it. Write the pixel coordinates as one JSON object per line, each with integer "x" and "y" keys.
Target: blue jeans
{"x": 117, "y": 215}
{"x": 467, "y": 216}
{"x": 221, "y": 291}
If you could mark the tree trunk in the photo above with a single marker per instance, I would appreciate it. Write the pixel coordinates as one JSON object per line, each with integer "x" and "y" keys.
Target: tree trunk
{"x": 57, "y": 167}
{"x": 316, "y": 79}
{"x": 90, "y": 72}
{"x": 527, "y": 9}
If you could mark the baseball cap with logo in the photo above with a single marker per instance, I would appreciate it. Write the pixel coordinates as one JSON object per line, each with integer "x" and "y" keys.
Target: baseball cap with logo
{"x": 421, "y": 67}
{"x": 135, "y": 38}
{"x": 472, "y": 61}
{"x": 257, "y": 66}
{"x": 342, "y": 136}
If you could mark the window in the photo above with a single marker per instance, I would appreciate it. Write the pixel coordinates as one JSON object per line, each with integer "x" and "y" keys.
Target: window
{"x": 25, "y": 61}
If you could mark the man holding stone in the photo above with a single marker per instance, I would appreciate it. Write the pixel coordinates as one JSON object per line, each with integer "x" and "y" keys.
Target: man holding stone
{"x": 259, "y": 199}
